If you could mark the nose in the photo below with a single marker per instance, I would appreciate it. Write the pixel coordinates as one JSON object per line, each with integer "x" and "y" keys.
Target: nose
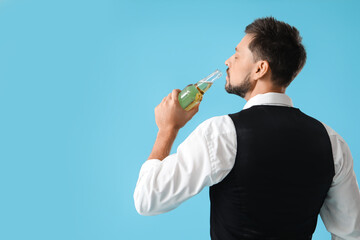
{"x": 227, "y": 62}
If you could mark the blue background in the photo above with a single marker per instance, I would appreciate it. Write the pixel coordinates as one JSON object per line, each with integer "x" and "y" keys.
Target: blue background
{"x": 79, "y": 81}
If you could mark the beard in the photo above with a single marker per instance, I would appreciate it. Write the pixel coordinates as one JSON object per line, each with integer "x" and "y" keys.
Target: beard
{"x": 240, "y": 90}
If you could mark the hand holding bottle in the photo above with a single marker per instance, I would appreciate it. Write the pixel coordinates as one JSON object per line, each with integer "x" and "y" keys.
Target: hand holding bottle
{"x": 169, "y": 115}
{"x": 176, "y": 109}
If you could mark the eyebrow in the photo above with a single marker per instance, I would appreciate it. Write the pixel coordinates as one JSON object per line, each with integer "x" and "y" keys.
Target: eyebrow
{"x": 236, "y": 49}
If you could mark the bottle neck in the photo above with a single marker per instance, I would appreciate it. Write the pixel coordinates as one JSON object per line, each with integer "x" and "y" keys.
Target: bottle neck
{"x": 203, "y": 86}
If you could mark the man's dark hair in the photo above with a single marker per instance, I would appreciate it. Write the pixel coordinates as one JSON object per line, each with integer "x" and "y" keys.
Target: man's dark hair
{"x": 280, "y": 45}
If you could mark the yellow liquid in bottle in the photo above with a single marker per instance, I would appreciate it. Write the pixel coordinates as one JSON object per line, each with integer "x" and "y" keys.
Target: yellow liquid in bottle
{"x": 193, "y": 94}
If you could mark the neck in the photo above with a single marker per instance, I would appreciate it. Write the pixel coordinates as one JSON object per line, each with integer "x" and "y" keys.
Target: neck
{"x": 262, "y": 87}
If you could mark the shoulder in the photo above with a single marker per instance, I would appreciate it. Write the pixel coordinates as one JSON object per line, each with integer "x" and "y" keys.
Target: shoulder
{"x": 333, "y": 135}
{"x": 216, "y": 125}
{"x": 343, "y": 160}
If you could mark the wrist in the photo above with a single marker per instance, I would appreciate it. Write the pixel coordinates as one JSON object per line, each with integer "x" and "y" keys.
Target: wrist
{"x": 168, "y": 131}
{"x": 164, "y": 140}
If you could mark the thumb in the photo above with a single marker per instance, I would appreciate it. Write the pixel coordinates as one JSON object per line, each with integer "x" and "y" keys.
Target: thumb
{"x": 195, "y": 109}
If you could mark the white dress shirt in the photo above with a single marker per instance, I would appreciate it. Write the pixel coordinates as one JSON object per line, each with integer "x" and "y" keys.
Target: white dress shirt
{"x": 208, "y": 154}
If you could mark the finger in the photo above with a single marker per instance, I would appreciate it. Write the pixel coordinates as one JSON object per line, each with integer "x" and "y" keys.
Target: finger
{"x": 175, "y": 94}
{"x": 194, "y": 109}
{"x": 167, "y": 97}
{"x": 191, "y": 113}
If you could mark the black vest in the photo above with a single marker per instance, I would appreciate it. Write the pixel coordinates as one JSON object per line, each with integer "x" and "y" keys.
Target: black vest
{"x": 283, "y": 170}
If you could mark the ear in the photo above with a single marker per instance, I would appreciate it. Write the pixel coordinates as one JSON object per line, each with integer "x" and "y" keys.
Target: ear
{"x": 261, "y": 68}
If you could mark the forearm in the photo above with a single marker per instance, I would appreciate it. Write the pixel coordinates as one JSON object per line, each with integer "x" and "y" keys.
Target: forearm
{"x": 163, "y": 144}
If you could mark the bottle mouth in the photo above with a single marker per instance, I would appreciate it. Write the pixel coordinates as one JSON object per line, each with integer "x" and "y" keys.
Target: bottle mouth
{"x": 212, "y": 77}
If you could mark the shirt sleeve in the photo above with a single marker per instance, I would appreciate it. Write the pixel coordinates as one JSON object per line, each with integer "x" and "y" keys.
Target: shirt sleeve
{"x": 205, "y": 157}
{"x": 341, "y": 209}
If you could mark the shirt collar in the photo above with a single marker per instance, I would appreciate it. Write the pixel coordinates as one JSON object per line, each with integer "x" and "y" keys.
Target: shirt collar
{"x": 270, "y": 98}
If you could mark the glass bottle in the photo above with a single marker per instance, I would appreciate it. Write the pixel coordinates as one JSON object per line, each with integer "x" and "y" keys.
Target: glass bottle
{"x": 192, "y": 94}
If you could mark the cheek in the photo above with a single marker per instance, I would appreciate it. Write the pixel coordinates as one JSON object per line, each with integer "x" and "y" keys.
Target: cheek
{"x": 238, "y": 68}
{"x": 239, "y": 72}
{"x": 242, "y": 67}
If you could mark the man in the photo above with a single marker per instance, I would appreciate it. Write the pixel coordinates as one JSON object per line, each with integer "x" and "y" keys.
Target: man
{"x": 271, "y": 169}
